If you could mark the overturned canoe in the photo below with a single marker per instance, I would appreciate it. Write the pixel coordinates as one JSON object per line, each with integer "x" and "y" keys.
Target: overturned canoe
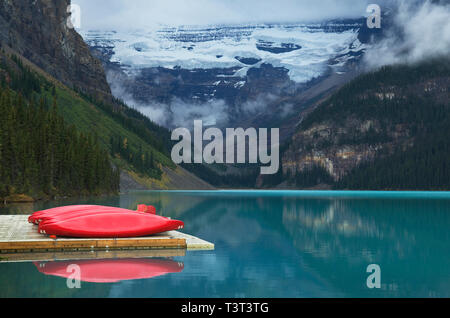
{"x": 73, "y": 210}
{"x": 146, "y": 208}
{"x": 77, "y": 213}
{"x": 36, "y": 217}
{"x": 110, "y": 225}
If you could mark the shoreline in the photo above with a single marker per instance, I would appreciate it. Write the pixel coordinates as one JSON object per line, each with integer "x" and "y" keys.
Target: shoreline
{"x": 18, "y": 198}
{"x": 24, "y": 198}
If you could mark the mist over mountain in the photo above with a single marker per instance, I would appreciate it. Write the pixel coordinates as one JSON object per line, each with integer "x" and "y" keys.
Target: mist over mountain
{"x": 420, "y": 31}
{"x": 387, "y": 127}
{"x": 176, "y": 63}
{"x": 143, "y": 14}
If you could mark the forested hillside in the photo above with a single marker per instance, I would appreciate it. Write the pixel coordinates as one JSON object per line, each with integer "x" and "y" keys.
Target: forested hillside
{"x": 40, "y": 154}
{"x": 387, "y": 129}
{"x": 69, "y": 122}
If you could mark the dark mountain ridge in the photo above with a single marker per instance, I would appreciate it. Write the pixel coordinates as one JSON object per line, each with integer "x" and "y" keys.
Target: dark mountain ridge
{"x": 385, "y": 124}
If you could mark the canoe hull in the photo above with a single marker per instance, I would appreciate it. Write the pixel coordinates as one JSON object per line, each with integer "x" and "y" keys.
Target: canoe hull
{"x": 68, "y": 211}
{"x": 83, "y": 212}
{"x": 36, "y": 217}
{"x": 111, "y": 225}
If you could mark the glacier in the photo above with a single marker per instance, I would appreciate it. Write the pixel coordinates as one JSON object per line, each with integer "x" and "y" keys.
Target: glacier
{"x": 305, "y": 50}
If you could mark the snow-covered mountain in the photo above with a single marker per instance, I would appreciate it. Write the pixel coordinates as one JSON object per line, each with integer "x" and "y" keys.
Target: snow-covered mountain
{"x": 305, "y": 50}
{"x": 221, "y": 73}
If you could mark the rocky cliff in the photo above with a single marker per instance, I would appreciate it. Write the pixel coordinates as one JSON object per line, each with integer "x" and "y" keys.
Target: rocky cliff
{"x": 38, "y": 30}
{"x": 340, "y": 148}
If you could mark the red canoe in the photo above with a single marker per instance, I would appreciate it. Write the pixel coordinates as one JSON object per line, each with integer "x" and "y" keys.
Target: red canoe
{"x": 72, "y": 214}
{"x": 35, "y": 217}
{"x": 66, "y": 211}
{"x": 111, "y": 271}
{"x": 146, "y": 208}
{"x": 111, "y": 225}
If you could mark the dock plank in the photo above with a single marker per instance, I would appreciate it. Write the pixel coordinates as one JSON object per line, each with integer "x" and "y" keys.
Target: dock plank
{"x": 88, "y": 254}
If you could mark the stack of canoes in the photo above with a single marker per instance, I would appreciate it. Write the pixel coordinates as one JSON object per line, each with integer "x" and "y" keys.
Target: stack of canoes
{"x": 93, "y": 221}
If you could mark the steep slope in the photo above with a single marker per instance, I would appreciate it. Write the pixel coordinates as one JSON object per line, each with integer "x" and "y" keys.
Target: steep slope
{"x": 104, "y": 123}
{"x": 38, "y": 31}
{"x": 394, "y": 119}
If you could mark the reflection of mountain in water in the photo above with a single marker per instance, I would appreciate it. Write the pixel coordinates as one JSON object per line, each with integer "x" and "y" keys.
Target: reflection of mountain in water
{"x": 253, "y": 255}
{"x": 322, "y": 241}
{"x": 340, "y": 238}
{"x": 162, "y": 201}
{"x": 282, "y": 244}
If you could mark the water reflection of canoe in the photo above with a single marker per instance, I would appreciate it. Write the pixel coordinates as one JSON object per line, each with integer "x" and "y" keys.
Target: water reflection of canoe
{"x": 111, "y": 270}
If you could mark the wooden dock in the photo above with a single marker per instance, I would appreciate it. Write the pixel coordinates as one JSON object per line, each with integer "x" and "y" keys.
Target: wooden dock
{"x": 18, "y": 257}
{"x": 19, "y": 236}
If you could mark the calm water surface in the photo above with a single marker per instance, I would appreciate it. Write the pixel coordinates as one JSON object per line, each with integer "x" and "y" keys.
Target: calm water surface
{"x": 275, "y": 244}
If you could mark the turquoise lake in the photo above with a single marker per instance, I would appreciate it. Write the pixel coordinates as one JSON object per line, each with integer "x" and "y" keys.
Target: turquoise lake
{"x": 276, "y": 244}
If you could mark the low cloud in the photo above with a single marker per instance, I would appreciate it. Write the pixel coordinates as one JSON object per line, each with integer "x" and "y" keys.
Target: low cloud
{"x": 257, "y": 105}
{"x": 421, "y": 31}
{"x": 177, "y": 113}
{"x": 212, "y": 113}
{"x": 119, "y": 14}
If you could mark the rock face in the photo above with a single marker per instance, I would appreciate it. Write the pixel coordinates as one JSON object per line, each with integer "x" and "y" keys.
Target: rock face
{"x": 241, "y": 96}
{"x": 200, "y": 85}
{"x": 336, "y": 148}
{"x": 38, "y": 30}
